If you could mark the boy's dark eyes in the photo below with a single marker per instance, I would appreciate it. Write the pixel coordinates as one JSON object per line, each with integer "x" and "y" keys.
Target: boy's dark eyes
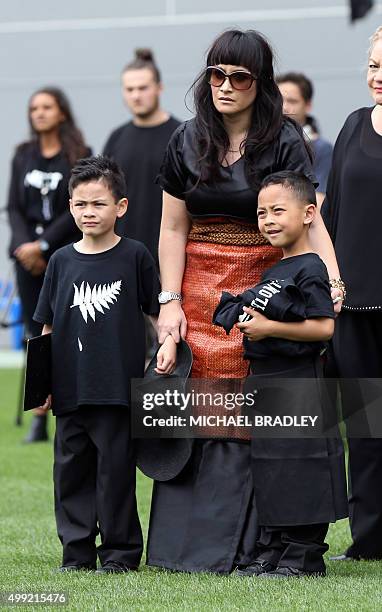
{"x": 82, "y": 204}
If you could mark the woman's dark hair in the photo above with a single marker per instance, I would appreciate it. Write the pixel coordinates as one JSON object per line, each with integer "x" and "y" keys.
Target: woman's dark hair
{"x": 72, "y": 141}
{"x": 144, "y": 58}
{"x": 299, "y": 184}
{"x": 96, "y": 168}
{"x": 251, "y": 50}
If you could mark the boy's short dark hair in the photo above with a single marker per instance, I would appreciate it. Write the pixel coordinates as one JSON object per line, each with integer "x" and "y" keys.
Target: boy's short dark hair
{"x": 304, "y": 84}
{"x": 96, "y": 168}
{"x": 298, "y": 183}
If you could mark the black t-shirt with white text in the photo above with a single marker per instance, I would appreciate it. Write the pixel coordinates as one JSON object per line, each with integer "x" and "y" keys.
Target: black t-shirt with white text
{"x": 310, "y": 275}
{"x": 95, "y": 303}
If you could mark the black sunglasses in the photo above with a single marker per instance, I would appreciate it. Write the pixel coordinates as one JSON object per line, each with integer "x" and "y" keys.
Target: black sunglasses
{"x": 239, "y": 79}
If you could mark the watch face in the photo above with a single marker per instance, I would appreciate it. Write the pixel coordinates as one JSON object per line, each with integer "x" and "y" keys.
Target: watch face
{"x": 163, "y": 297}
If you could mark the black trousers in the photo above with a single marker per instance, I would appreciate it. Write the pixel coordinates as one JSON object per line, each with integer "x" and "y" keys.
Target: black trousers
{"x": 94, "y": 484}
{"x": 299, "y": 546}
{"x": 29, "y": 288}
{"x": 357, "y": 345}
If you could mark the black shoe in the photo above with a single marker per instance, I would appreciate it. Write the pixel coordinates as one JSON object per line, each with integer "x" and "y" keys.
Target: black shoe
{"x": 38, "y": 431}
{"x": 290, "y": 572}
{"x": 344, "y": 557}
{"x": 113, "y": 567}
{"x": 255, "y": 569}
{"x": 77, "y": 568}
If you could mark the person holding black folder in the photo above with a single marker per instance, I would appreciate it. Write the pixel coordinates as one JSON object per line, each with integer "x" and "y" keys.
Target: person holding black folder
{"x": 93, "y": 299}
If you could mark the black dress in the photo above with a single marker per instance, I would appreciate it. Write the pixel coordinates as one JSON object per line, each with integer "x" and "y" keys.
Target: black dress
{"x": 205, "y": 518}
{"x": 352, "y": 210}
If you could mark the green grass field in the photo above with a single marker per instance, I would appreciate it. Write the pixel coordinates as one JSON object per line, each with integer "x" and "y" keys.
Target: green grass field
{"x": 30, "y": 551}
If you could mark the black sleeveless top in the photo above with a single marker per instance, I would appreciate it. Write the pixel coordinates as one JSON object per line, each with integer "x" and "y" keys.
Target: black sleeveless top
{"x": 232, "y": 196}
{"x": 352, "y": 210}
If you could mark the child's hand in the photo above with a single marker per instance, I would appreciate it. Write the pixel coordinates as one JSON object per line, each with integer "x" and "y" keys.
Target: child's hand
{"x": 258, "y": 328}
{"x": 48, "y": 404}
{"x": 166, "y": 357}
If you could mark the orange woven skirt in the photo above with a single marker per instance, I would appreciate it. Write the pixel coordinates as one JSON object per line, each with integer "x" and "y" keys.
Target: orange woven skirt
{"x": 211, "y": 269}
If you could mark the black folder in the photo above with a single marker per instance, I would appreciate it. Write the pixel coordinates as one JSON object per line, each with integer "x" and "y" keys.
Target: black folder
{"x": 38, "y": 373}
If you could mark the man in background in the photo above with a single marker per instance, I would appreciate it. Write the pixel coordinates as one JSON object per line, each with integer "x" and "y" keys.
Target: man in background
{"x": 139, "y": 146}
{"x": 297, "y": 92}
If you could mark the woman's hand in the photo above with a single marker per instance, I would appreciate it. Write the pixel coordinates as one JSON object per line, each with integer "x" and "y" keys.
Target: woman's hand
{"x": 166, "y": 357}
{"x": 47, "y": 406}
{"x": 258, "y": 328}
{"x": 337, "y": 298}
{"x": 171, "y": 322}
{"x": 39, "y": 267}
{"x": 28, "y": 254}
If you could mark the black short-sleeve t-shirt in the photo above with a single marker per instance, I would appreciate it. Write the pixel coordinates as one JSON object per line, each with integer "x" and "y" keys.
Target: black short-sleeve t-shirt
{"x": 95, "y": 303}
{"x": 231, "y": 196}
{"x": 309, "y": 274}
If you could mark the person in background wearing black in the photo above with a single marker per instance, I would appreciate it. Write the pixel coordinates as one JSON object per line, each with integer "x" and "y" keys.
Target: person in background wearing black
{"x": 297, "y": 92}
{"x": 38, "y": 200}
{"x": 300, "y": 484}
{"x": 352, "y": 213}
{"x": 139, "y": 146}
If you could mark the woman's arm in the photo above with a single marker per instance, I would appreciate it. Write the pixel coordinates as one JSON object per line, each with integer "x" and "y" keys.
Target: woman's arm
{"x": 175, "y": 226}
{"x": 323, "y": 246}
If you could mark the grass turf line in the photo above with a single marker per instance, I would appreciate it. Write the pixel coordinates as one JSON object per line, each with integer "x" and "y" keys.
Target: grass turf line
{"x": 30, "y": 551}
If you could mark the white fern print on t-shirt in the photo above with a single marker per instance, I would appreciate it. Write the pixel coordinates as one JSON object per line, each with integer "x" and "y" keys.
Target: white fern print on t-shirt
{"x": 91, "y": 300}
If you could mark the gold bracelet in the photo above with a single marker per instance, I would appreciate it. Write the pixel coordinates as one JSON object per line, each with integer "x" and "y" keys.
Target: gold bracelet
{"x": 338, "y": 283}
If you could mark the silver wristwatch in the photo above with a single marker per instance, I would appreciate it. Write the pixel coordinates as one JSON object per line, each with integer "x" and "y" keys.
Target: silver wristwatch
{"x": 167, "y": 296}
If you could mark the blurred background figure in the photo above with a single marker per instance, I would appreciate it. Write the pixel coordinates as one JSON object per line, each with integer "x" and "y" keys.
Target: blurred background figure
{"x": 138, "y": 147}
{"x": 38, "y": 203}
{"x": 297, "y": 92}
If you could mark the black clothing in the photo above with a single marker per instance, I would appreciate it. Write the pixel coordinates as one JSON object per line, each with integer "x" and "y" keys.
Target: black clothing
{"x": 284, "y": 470}
{"x": 94, "y": 476}
{"x": 310, "y": 275}
{"x": 299, "y": 546}
{"x": 213, "y": 525}
{"x": 232, "y": 196}
{"x": 294, "y": 289}
{"x": 358, "y": 341}
{"x": 95, "y": 304}
{"x": 38, "y": 209}
{"x": 29, "y": 288}
{"x": 205, "y": 519}
{"x": 322, "y": 161}
{"x": 297, "y": 481}
{"x": 139, "y": 152}
{"x": 353, "y": 195}
{"x": 277, "y": 299}
{"x": 38, "y": 199}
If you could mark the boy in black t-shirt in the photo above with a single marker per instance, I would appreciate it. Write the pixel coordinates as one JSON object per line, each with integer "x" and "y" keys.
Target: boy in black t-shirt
{"x": 93, "y": 299}
{"x": 299, "y": 483}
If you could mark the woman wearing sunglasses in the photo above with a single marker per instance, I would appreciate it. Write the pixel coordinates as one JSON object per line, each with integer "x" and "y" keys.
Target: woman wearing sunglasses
{"x": 205, "y": 519}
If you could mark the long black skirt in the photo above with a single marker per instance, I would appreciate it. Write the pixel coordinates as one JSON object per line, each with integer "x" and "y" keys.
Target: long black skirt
{"x": 205, "y": 519}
